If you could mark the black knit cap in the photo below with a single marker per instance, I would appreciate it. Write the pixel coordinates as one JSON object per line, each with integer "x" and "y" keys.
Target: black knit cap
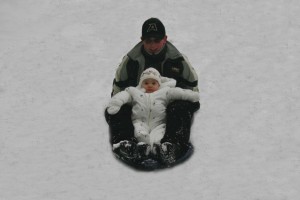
{"x": 153, "y": 27}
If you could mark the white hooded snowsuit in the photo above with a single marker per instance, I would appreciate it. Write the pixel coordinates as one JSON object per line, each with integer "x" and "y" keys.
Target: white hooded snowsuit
{"x": 149, "y": 109}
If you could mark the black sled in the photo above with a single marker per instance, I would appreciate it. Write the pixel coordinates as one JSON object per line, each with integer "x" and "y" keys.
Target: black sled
{"x": 152, "y": 164}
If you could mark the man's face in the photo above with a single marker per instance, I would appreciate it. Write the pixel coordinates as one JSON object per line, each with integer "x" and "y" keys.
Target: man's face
{"x": 150, "y": 85}
{"x": 154, "y": 45}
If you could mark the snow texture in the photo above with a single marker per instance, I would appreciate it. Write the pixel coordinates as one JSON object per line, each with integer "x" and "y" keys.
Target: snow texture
{"x": 57, "y": 62}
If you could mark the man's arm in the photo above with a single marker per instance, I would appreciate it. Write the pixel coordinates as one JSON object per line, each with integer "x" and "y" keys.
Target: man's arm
{"x": 126, "y": 75}
{"x": 189, "y": 76}
{"x": 182, "y": 94}
{"x": 121, "y": 77}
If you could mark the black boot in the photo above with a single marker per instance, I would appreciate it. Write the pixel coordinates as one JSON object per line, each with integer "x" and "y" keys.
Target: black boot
{"x": 143, "y": 150}
{"x": 126, "y": 150}
{"x": 168, "y": 153}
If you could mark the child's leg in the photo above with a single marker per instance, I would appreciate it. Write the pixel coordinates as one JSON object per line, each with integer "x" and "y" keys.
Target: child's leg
{"x": 157, "y": 134}
{"x": 141, "y": 131}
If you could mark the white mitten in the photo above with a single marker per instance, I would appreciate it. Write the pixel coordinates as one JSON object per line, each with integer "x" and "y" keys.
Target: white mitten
{"x": 113, "y": 109}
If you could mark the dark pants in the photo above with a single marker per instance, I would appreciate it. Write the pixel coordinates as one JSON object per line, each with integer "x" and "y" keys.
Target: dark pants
{"x": 120, "y": 125}
{"x": 179, "y": 120}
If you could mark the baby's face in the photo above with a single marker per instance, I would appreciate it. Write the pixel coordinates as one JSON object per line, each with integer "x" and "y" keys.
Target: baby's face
{"x": 150, "y": 85}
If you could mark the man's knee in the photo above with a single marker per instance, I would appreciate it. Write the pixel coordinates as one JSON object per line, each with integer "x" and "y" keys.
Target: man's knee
{"x": 180, "y": 107}
{"x": 123, "y": 115}
{"x": 179, "y": 119}
{"x": 120, "y": 124}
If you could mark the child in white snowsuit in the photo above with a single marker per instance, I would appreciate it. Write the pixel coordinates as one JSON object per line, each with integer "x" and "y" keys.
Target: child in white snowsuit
{"x": 149, "y": 101}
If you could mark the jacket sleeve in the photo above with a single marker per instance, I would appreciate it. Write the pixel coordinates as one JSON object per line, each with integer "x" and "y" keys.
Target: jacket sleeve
{"x": 117, "y": 101}
{"x": 182, "y": 94}
{"x": 167, "y": 82}
{"x": 120, "y": 99}
{"x": 121, "y": 77}
{"x": 189, "y": 76}
{"x": 126, "y": 75}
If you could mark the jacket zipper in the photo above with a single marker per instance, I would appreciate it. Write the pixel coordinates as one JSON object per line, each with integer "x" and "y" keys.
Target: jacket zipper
{"x": 150, "y": 108}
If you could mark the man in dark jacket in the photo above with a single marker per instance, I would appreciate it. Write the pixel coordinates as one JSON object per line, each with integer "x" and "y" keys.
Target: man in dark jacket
{"x": 154, "y": 51}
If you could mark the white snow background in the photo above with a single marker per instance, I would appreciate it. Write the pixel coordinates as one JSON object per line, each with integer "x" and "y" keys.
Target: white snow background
{"x": 57, "y": 63}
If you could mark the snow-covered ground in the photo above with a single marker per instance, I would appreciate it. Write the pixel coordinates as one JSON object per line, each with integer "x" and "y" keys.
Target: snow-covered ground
{"x": 57, "y": 62}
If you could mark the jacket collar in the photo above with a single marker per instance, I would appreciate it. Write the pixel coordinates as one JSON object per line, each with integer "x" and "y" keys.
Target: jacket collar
{"x": 171, "y": 51}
